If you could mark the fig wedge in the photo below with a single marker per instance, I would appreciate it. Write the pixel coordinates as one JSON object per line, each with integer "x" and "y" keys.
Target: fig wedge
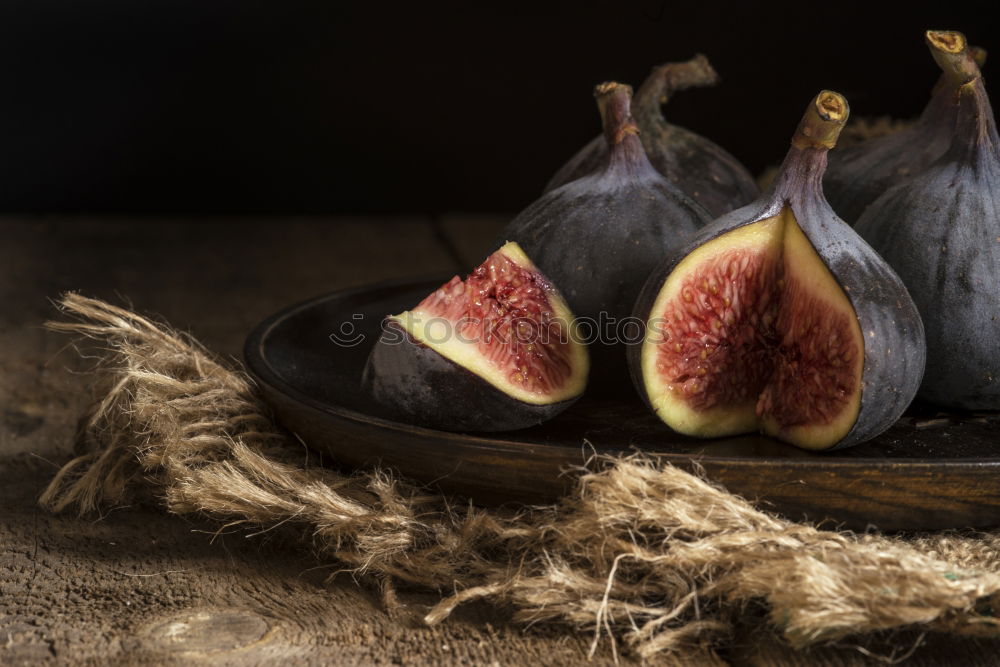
{"x": 494, "y": 352}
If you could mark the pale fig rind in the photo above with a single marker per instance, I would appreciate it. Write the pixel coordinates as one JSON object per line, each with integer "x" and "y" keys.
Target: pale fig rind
{"x": 894, "y": 350}
{"x": 697, "y": 166}
{"x": 941, "y": 233}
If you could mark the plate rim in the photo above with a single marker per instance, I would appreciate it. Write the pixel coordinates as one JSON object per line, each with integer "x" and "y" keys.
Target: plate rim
{"x": 261, "y": 372}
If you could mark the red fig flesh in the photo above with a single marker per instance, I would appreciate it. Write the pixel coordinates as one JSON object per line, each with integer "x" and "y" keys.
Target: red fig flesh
{"x": 750, "y": 320}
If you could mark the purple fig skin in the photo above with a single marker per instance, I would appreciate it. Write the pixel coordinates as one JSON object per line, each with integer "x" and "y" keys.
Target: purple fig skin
{"x": 698, "y": 167}
{"x": 598, "y": 237}
{"x": 941, "y": 232}
{"x": 886, "y": 313}
{"x": 856, "y": 176}
{"x": 416, "y": 385}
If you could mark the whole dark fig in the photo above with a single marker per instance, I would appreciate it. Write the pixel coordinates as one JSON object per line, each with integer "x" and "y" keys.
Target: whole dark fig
{"x": 859, "y": 174}
{"x": 700, "y": 168}
{"x": 941, "y": 232}
{"x": 778, "y": 317}
{"x": 494, "y": 352}
{"x": 598, "y": 237}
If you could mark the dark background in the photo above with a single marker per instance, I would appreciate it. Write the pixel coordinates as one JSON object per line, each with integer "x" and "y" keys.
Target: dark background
{"x": 203, "y": 107}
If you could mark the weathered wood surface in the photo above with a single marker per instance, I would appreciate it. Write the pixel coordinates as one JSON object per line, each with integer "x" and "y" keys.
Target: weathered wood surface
{"x": 138, "y": 586}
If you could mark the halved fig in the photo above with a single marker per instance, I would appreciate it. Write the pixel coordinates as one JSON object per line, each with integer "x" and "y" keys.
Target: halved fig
{"x": 495, "y": 352}
{"x": 778, "y": 317}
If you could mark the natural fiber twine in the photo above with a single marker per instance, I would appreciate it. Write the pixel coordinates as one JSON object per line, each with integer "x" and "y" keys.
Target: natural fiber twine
{"x": 648, "y": 557}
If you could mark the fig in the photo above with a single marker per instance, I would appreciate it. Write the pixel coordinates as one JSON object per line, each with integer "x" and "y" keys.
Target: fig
{"x": 698, "y": 167}
{"x": 598, "y": 237}
{"x": 778, "y": 317}
{"x": 495, "y": 352}
{"x": 940, "y": 231}
{"x": 859, "y": 174}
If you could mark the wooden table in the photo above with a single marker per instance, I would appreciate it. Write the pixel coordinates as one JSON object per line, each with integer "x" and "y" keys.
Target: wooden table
{"x": 137, "y": 586}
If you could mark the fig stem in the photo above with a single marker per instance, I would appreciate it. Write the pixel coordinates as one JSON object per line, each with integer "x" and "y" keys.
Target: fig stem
{"x": 669, "y": 78}
{"x": 615, "y": 103}
{"x": 976, "y": 126}
{"x": 952, "y": 53}
{"x": 945, "y": 81}
{"x": 822, "y": 122}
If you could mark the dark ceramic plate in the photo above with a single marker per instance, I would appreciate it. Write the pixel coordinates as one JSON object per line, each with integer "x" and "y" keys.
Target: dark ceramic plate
{"x": 926, "y": 472}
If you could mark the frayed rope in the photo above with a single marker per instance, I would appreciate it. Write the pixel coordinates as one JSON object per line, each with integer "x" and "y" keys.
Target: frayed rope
{"x": 642, "y": 554}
